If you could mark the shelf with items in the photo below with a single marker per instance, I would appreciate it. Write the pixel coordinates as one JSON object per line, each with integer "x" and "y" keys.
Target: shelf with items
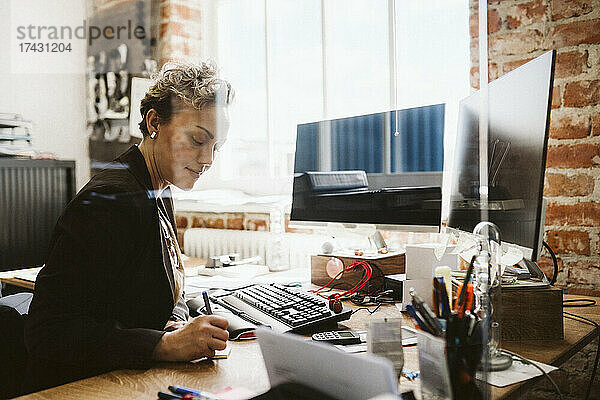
{"x": 13, "y": 127}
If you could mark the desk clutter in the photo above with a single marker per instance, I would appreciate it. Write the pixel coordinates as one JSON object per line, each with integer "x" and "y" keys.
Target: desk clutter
{"x": 449, "y": 332}
{"x": 281, "y": 308}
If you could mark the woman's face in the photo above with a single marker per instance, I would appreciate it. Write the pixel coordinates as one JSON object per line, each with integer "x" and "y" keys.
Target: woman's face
{"x": 186, "y": 144}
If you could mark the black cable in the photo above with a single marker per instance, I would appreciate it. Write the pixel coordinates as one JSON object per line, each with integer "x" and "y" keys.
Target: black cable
{"x": 368, "y": 309}
{"x": 371, "y": 287}
{"x": 579, "y": 303}
{"x": 594, "y": 370}
{"x": 527, "y": 362}
{"x": 336, "y": 286}
{"x": 555, "y": 275}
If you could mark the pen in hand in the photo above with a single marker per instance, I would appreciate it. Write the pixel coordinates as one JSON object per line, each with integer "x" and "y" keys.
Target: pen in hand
{"x": 207, "y": 308}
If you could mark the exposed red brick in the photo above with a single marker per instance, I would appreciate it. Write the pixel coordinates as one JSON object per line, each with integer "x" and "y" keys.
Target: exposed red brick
{"x": 492, "y": 74}
{"x": 171, "y": 50}
{"x": 181, "y": 221}
{"x": 596, "y": 124}
{"x": 563, "y": 185}
{"x": 547, "y": 265}
{"x": 579, "y": 214}
{"x": 178, "y": 48}
{"x": 235, "y": 223}
{"x": 565, "y": 242}
{"x": 256, "y": 225}
{"x": 164, "y": 28}
{"x": 556, "y": 97}
{"x": 570, "y": 126}
{"x": 515, "y": 42}
{"x": 575, "y": 33}
{"x": 571, "y": 63}
{"x": 582, "y": 93}
{"x": 474, "y": 51}
{"x": 298, "y": 230}
{"x": 171, "y": 10}
{"x": 215, "y": 223}
{"x": 584, "y": 272}
{"x": 570, "y": 8}
{"x": 494, "y": 22}
{"x": 180, "y": 235}
{"x": 526, "y": 14}
{"x": 474, "y": 3}
{"x": 184, "y": 30}
{"x": 165, "y": 11}
{"x": 583, "y": 155}
{"x": 197, "y": 222}
{"x": 509, "y": 66}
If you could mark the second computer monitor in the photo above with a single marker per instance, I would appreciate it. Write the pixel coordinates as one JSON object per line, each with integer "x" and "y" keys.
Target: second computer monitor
{"x": 518, "y": 117}
{"x": 371, "y": 169}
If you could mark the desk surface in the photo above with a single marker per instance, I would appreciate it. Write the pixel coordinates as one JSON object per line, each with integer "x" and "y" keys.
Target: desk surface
{"x": 8, "y": 277}
{"x": 245, "y": 368}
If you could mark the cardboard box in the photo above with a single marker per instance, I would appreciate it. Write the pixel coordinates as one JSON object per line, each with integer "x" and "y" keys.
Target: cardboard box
{"x": 421, "y": 260}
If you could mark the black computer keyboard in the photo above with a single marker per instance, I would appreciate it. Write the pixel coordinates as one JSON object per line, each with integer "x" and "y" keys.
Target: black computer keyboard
{"x": 282, "y": 308}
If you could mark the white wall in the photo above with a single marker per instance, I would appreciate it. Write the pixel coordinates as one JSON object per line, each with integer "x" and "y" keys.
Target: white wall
{"x": 54, "y": 102}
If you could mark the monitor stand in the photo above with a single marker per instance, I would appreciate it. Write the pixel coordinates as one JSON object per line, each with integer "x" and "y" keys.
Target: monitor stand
{"x": 365, "y": 233}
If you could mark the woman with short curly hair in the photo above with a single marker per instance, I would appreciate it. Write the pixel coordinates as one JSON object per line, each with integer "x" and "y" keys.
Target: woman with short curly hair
{"x": 110, "y": 295}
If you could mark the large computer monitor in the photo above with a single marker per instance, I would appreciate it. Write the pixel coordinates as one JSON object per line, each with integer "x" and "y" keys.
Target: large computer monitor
{"x": 519, "y": 116}
{"x": 369, "y": 170}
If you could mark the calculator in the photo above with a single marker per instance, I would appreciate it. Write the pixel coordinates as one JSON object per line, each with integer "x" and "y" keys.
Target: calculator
{"x": 337, "y": 337}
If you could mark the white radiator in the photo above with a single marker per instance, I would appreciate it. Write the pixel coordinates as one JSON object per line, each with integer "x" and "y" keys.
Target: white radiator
{"x": 295, "y": 248}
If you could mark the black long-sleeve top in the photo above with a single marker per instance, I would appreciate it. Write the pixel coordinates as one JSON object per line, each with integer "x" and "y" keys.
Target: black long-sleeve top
{"x": 106, "y": 292}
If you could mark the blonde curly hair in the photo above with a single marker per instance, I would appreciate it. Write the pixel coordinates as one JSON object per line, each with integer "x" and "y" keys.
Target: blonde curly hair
{"x": 183, "y": 83}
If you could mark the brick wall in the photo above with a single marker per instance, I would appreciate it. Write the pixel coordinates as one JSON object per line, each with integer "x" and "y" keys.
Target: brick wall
{"x": 179, "y": 35}
{"x": 518, "y": 32}
{"x": 176, "y": 27}
{"x": 232, "y": 220}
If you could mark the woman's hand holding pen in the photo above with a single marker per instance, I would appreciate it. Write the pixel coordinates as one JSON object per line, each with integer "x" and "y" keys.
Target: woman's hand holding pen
{"x": 174, "y": 325}
{"x": 198, "y": 338}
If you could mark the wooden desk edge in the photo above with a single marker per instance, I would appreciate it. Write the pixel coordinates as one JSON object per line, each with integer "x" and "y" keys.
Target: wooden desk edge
{"x": 515, "y": 390}
{"x": 508, "y": 392}
{"x": 18, "y": 282}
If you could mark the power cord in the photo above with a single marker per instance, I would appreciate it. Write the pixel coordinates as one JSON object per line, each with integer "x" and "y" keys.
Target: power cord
{"x": 579, "y": 303}
{"x": 527, "y": 362}
{"x": 555, "y": 275}
{"x": 373, "y": 311}
{"x": 378, "y": 300}
{"x": 594, "y": 370}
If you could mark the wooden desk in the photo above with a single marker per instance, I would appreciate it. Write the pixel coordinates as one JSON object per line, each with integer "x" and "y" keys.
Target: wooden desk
{"x": 245, "y": 368}
{"x": 8, "y": 277}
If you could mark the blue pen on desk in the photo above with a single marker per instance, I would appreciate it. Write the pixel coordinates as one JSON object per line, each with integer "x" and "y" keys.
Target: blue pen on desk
{"x": 169, "y": 396}
{"x": 206, "y": 303}
{"x": 182, "y": 390}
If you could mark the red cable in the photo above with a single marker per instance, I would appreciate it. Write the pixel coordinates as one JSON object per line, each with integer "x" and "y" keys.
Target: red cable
{"x": 358, "y": 287}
